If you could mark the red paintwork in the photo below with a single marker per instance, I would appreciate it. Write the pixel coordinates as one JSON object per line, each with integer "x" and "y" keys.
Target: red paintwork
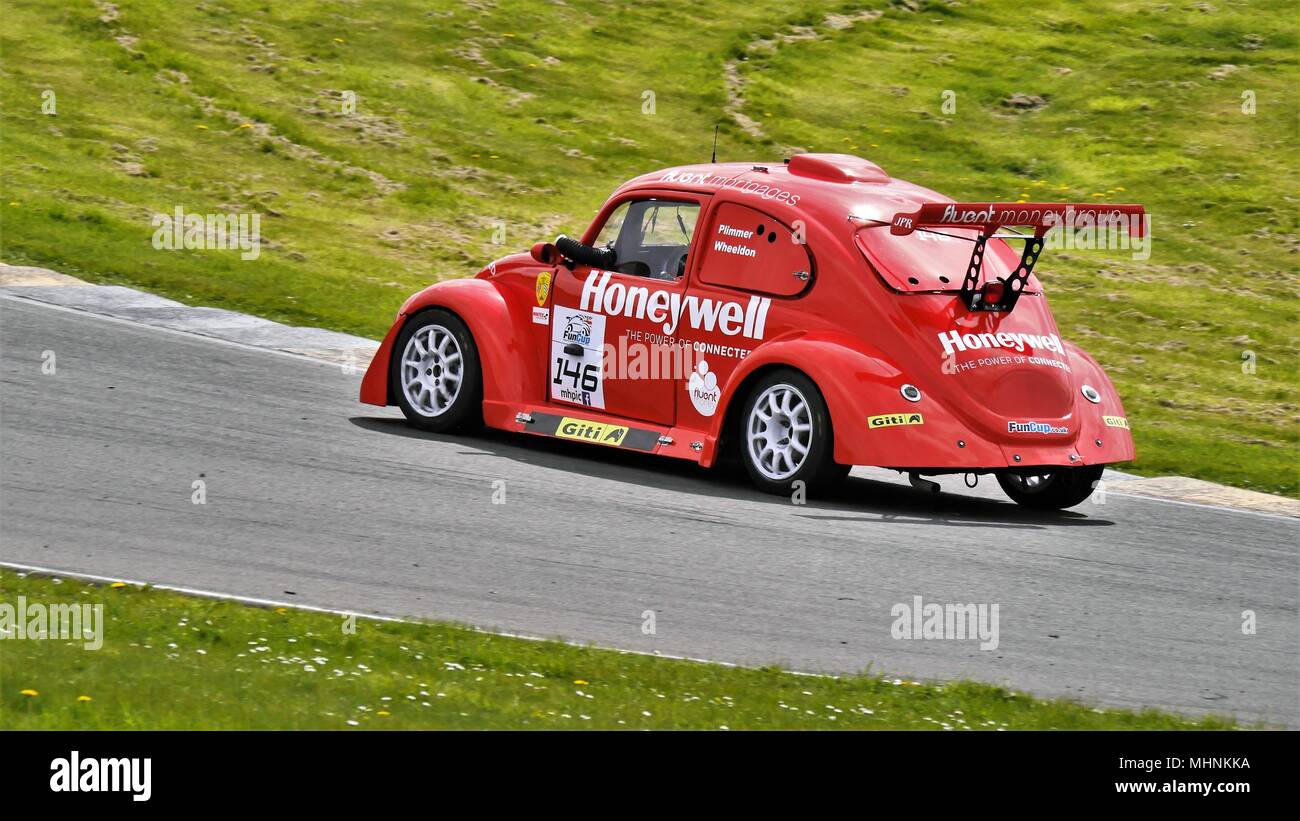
{"x": 858, "y": 327}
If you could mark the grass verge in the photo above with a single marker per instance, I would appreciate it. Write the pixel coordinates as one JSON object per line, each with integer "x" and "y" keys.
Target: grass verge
{"x": 177, "y": 662}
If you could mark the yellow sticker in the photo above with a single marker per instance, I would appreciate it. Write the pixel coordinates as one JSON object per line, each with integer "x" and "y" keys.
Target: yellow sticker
{"x": 1115, "y": 422}
{"x": 889, "y": 420}
{"x": 543, "y": 287}
{"x": 586, "y": 431}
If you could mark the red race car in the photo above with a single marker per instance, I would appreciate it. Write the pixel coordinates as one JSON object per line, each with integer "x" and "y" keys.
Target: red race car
{"x": 802, "y": 317}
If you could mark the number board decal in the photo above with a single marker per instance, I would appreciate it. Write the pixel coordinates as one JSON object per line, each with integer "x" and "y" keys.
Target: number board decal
{"x": 577, "y": 378}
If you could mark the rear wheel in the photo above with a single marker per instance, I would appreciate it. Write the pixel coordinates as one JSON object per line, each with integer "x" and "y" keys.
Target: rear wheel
{"x": 785, "y": 435}
{"x": 435, "y": 372}
{"x": 1053, "y": 488}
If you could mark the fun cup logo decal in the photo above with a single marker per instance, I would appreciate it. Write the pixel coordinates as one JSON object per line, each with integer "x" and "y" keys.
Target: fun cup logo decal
{"x": 703, "y": 389}
{"x": 671, "y": 308}
{"x": 1036, "y": 427}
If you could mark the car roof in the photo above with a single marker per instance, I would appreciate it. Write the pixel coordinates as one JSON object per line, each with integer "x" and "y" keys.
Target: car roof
{"x": 825, "y": 186}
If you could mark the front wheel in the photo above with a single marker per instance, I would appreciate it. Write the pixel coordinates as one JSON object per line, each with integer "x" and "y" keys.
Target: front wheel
{"x": 1053, "y": 488}
{"x": 435, "y": 372}
{"x": 786, "y": 435}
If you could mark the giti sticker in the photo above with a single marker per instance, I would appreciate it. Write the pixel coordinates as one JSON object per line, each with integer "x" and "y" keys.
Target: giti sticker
{"x": 543, "y": 287}
{"x": 596, "y": 432}
{"x": 889, "y": 420}
{"x": 1115, "y": 422}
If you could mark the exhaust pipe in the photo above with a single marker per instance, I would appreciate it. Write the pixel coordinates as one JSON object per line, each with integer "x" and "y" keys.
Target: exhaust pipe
{"x": 922, "y": 484}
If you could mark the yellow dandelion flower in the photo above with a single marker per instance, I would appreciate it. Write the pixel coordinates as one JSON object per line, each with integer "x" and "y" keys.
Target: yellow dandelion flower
{"x": 383, "y": 713}
{"x": 117, "y": 585}
{"x": 875, "y": 145}
{"x": 13, "y": 205}
{"x": 201, "y": 127}
{"x": 338, "y": 39}
{"x": 84, "y": 698}
{"x": 245, "y": 125}
{"x": 1119, "y": 188}
{"x": 493, "y": 157}
{"x": 580, "y": 681}
{"x": 281, "y": 610}
{"x": 30, "y": 693}
{"x": 1098, "y": 195}
{"x": 507, "y": 35}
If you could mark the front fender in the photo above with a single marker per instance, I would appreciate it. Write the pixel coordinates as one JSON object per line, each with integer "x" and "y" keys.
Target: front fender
{"x": 483, "y": 308}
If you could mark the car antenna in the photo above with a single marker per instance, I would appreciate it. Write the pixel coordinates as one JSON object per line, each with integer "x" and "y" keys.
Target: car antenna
{"x": 715, "y": 143}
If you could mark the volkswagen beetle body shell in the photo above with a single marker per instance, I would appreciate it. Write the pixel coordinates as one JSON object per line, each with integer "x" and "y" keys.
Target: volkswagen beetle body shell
{"x": 870, "y": 313}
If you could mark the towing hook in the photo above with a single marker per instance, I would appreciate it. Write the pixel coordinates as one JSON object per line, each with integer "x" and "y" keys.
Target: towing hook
{"x": 922, "y": 484}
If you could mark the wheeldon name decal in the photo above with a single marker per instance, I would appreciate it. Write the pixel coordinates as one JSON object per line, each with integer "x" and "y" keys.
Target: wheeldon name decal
{"x": 670, "y": 308}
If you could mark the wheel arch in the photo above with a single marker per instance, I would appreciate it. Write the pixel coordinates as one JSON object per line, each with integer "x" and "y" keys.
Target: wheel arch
{"x": 483, "y": 308}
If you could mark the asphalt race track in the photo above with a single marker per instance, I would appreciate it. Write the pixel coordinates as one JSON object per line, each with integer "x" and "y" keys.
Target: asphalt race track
{"x": 315, "y": 499}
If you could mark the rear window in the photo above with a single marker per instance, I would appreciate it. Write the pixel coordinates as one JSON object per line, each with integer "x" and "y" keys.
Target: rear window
{"x": 927, "y": 261}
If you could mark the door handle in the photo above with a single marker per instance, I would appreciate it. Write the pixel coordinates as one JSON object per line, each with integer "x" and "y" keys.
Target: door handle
{"x": 573, "y": 349}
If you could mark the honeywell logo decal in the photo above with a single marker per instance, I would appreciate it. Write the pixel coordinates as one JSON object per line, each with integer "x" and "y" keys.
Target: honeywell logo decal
{"x": 671, "y": 309}
{"x": 954, "y": 341}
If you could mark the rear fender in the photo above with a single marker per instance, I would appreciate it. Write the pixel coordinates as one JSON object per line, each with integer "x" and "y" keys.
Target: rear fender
{"x": 859, "y": 382}
{"x": 1105, "y": 422}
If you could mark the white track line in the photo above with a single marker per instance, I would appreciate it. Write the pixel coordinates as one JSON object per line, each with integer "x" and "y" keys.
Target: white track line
{"x": 256, "y": 602}
{"x": 301, "y": 358}
{"x": 176, "y": 331}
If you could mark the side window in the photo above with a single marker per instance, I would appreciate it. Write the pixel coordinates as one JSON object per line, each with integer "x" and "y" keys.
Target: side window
{"x": 750, "y": 250}
{"x": 650, "y": 238}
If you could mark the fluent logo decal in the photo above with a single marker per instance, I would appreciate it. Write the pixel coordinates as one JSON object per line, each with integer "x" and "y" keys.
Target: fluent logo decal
{"x": 595, "y": 432}
{"x": 670, "y": 308}
{"x": 1036, "y": 427}
{"x": 889, "y": 420}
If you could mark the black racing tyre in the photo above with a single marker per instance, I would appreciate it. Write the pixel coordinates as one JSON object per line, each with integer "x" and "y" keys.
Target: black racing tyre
{"x": 1053, "y": 488}
{"x": 784, "y": 435}
{"x": 435, "y": 373}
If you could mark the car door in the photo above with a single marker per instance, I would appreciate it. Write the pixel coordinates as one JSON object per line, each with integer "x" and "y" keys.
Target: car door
{"x": 749, "y": 262}
{"x": 613, "y": 332}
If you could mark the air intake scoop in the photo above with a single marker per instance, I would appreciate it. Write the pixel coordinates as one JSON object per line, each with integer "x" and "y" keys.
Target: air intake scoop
{"x": 844, "y": 168}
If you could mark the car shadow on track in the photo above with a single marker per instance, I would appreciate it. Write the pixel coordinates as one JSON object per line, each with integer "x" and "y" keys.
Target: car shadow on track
{"x": 857, "y": 499}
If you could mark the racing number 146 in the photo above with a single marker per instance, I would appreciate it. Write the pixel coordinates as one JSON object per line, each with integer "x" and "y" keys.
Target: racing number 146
{"x": 584, "y": 377}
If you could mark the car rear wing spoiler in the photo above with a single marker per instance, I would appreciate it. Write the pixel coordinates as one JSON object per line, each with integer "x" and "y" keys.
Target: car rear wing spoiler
{"x": 989, "y": 217}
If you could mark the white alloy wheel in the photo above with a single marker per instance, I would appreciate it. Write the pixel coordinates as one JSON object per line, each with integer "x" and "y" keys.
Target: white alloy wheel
{"x": 432, "y": 368}
{"x": 779, "y": 432}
